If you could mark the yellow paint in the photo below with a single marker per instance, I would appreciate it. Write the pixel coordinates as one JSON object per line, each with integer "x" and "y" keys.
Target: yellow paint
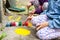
{"x": 29, "y": 24}
{"x": 22, "y": 31}
{"x": 10, "y": 17}
{"x": 18, "y": 18}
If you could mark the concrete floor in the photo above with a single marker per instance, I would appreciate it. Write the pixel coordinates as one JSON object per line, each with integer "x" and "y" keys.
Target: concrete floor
{"x": 10, "y": 30}
{"x": 12, "y": 36}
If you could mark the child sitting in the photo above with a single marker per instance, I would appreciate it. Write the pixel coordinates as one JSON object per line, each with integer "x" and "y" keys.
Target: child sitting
{"x": 48, "y": 23}
{"x": 39, "y": 5}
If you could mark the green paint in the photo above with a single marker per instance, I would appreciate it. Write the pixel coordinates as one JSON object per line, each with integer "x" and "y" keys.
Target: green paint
{"x": 3, "y": 35}
{"x": 20, "y": 23}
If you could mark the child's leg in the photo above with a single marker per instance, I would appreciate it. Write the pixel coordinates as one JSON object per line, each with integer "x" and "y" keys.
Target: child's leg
{"x": 48, "y": 33}
{"x": 38, "y": 19}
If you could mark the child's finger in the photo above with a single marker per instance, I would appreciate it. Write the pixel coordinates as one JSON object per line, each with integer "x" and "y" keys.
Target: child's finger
{"x": 38, "y": 28}
{"x": 44, "y": 24}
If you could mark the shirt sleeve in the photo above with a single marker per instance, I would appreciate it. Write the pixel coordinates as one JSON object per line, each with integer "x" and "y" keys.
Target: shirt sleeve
{"x": 55, "y": 21}
{"x": 53, "y": 13}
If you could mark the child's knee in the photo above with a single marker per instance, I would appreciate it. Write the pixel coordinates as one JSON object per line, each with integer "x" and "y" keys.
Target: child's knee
{"x": 34, "y": 20}
{"x": 45, "y": 6}
{"x": 43, "y": 33}
{"x": 38, "y": 19}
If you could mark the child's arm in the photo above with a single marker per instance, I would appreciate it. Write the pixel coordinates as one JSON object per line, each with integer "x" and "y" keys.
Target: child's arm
{"x": 54, "y": 14}
{"x": 29, "y": 5}
{"x": 42, "y": 25}
{"x": 29, "y": 18}
{"x": 32, "y": 12}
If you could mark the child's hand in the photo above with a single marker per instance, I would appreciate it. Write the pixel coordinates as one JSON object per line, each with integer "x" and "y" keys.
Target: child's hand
{"x": 32, "y": 12}
{"x": 28, "y": 6}
{"x": 29, "y": 17}
{"x": 42, "y": 25}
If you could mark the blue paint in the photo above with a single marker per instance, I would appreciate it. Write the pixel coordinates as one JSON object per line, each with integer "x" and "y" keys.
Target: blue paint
{"x": 8, "y": 25}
